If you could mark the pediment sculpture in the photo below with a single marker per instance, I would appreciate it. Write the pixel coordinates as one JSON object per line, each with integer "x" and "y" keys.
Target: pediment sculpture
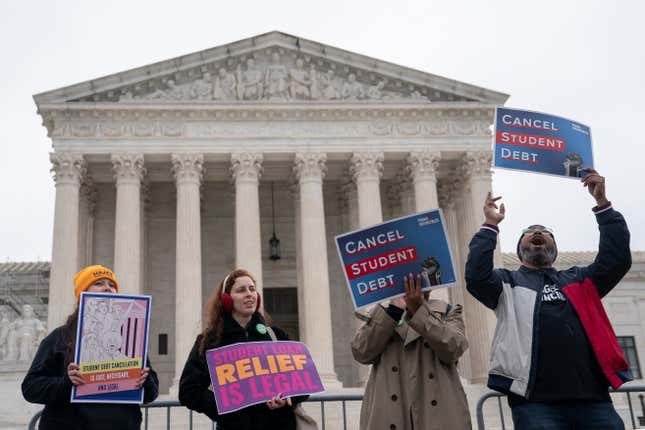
{"x": 271, "y": 77}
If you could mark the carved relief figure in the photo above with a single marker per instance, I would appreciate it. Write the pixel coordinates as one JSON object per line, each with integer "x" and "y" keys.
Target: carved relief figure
{"x": 224, "y": 88}
{"x": 328, "y": 84}
{"x": 352, "y": 89}
{"x": 249, "y": 82}
{"x": 376, "y": 91}
{"x": 314, "y": 89}
{"x": 174, "y": 92}
{"x": 299, "y": 85}
{"x": 126, "y": 96}
{"x": 202, "y": 89}
{"x": 275, "y": 79}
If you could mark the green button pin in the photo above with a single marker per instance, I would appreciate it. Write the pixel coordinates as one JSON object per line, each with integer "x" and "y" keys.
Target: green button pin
{"x": 261, "y": 328}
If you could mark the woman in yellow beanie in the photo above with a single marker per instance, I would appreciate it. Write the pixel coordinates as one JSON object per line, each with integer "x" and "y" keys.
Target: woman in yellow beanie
{"x": 53, "y": 372}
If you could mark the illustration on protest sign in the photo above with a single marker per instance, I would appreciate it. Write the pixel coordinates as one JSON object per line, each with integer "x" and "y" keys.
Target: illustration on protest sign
{"x": 245, "y": 374}
{"x": 541, "y": 143}
{"x": 111, "y": 347}
{"x": 376, "y": 259}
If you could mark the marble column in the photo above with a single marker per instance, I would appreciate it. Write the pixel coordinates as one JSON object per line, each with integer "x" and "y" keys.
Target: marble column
{"x": 246, "y": 169}
{"x": 88, "y": 199}
{"x": 302, "y": 315}
{"x": 348, "y": 202}
{"x": 188, "y": 171}
{"x": 366, "y": 169}
{"x": 68, "y": 170}
{"x": 422, "y": 167}
{"x": 403, "y": 185}
{"x": 448, "y": 192}
{"x": 310, "y": 170}
{"x": 128, "y": 172}
{"x": 480, "y": 321}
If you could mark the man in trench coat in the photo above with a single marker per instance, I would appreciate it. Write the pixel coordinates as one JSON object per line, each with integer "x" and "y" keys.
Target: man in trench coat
{"x": 413, "y": 384}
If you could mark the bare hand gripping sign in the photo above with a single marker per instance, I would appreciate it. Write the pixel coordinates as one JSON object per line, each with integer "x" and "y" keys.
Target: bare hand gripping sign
{"x": 375, "y": 259}
{"x": 541, "y": 143}
{"x": 249, "y": 373}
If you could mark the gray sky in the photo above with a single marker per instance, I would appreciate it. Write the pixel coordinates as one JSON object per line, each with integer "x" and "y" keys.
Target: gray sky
{"x": 580, "y": 60}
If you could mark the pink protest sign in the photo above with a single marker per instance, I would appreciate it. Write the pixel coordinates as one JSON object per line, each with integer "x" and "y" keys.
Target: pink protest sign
{"x": 249, "y": 373}
{"x": 111, "y": 347}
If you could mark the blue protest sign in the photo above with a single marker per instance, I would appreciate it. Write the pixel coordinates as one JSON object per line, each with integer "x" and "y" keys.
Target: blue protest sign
{"x": 376, "y": 259}
{"x": 541, "y": 143}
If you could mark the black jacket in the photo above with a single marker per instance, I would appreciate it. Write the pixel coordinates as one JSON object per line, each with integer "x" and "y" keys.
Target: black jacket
{"x": 195, "y": 380}
{"x": 47, "y": 382}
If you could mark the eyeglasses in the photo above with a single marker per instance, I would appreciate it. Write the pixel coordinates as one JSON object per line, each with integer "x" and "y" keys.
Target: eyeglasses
{"x": 537, "y": 227}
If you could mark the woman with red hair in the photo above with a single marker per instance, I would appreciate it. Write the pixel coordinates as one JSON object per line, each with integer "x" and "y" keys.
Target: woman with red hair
{"x": 233, "y": 314}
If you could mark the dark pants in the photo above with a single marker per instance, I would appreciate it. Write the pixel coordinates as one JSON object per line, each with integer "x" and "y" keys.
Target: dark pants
{"x": 566, "y": 416}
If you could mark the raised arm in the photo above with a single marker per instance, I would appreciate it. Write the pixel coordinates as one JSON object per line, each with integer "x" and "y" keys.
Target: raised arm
{"x": 614, "y": 256}
{"x": 482, "y": 281}
{"x": 440, "y": 324}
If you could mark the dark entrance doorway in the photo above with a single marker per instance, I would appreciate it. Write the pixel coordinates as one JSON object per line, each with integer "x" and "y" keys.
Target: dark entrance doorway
{"x": 282, "y": 306}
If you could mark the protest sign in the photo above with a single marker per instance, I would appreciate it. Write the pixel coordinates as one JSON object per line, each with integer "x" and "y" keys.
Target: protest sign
{"x": 376, "y": 259}
{"x": 541, "y": 143}
{"x": 111, "y": 347}
{"x": 245, "y": 374}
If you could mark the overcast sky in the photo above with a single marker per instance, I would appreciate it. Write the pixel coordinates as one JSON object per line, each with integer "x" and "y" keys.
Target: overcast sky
{"x": 581, "y": 60}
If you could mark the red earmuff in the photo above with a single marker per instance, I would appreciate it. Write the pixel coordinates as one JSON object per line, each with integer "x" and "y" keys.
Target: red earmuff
{"x": 227, "y": 302}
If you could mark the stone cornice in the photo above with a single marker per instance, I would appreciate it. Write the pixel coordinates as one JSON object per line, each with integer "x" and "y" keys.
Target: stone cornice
{"x": 321, "y": 121}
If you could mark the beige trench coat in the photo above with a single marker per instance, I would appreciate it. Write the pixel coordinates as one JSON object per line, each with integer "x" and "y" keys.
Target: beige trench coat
{"x": 414, "y": 383}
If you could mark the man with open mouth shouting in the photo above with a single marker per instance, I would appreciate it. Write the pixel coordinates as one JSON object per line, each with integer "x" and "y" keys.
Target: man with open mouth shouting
{"x": 554, "y": 352}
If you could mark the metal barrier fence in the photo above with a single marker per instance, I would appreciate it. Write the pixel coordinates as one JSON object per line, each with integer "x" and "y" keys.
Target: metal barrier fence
{"x": 169, "y": 404}
{"x": 627, "y": 390}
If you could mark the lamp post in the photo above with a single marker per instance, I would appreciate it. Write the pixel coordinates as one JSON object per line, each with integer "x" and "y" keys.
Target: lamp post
{"x": 274, "y": 242}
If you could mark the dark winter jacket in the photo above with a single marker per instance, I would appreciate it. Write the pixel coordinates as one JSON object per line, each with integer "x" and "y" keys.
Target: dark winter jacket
{"x": 194, "y": 392}
{"x": 47, "y": 382}
{"x": 523, "y": 300}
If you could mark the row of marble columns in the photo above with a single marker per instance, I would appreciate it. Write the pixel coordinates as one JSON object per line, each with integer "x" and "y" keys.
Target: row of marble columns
{"x": 311, "y": 241}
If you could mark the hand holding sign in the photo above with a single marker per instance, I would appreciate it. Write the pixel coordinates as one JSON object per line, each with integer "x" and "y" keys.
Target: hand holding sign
{"x": 74, "y": 374}
{"x": 413, "y": 293}
{"x": 142, "y": 379}
{"x": 596, "y": 185}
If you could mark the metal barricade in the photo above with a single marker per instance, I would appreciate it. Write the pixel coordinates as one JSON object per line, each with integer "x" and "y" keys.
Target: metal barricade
{"x": 626, "y": 389}
{"x": 168, "y": 405}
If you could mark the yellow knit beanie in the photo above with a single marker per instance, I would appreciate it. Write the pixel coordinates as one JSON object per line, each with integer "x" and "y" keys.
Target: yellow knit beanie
{"x": 87, "y": 276}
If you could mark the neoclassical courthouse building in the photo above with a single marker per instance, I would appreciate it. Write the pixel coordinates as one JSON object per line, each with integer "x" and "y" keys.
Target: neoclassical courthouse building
{"x": 177, "y": 172}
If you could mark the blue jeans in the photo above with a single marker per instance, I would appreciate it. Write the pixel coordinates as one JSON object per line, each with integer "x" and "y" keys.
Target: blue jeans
{"x": 566, "y": 416}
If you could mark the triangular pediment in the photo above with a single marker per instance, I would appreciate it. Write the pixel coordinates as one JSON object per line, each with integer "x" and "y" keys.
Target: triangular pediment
{"x": 271, "y": 68}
